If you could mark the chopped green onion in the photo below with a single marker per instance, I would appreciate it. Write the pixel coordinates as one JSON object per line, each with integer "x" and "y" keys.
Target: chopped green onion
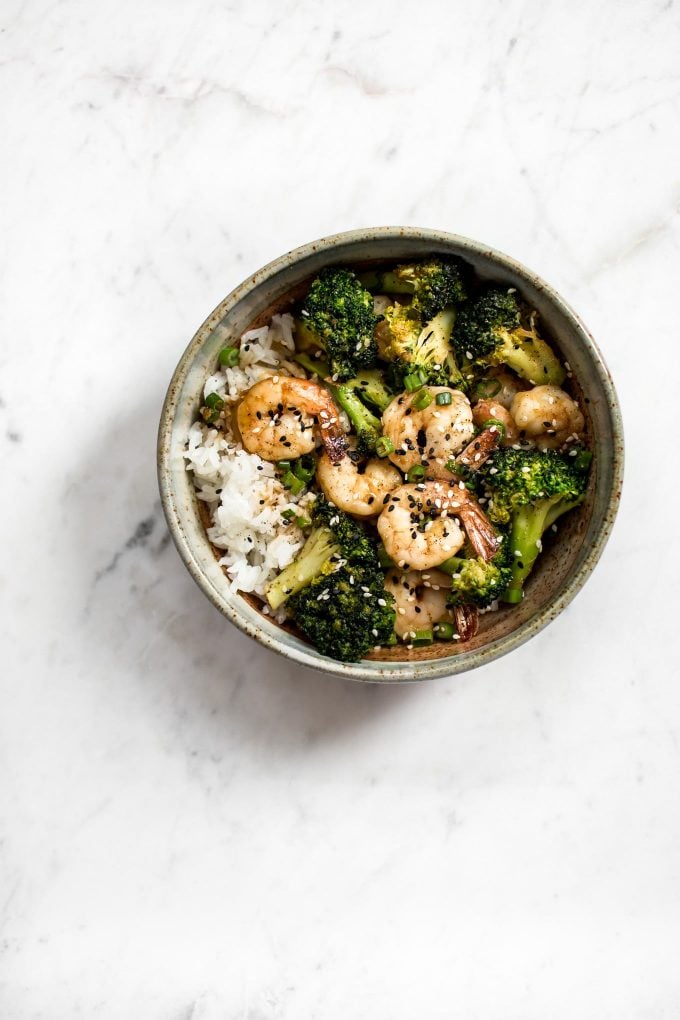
{"x": 582, "y": 460}
{"x": 413, "y": 381}
{"x": 391, "y": 640}
{"x": 512, "y": 595}
{"x": 415, "y": 473}
{"x": 500, "y": 427}
{"x": 288, "y": 514}
{"x": 486, "y": 388}
{"x": 214, "y": 401}
{"x": 303, "y": 522}
{"x": 423, "y": 637}
{"x": 384, "y": 559}
{"x": 304, "y": 468}
{"x": 452, "y": 467}
{"x": 384, "y": 446}
{"x": 444, "y": 631}
{"x": 283, "y": 465}
{"x": 443, "y": 398}
{"x": 228, "y": 357}
{"x": 423, "y": 400}
{"x": 296, "y": 485}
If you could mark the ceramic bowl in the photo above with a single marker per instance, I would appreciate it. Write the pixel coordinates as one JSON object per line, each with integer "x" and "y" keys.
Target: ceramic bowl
{"x": 562, "y": 569}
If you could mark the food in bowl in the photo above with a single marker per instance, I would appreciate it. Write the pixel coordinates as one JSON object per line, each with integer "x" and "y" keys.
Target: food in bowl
{"x": 382, "y": 464}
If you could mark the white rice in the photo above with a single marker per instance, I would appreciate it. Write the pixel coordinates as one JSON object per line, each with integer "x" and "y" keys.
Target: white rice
{"x": 245, "y": 498}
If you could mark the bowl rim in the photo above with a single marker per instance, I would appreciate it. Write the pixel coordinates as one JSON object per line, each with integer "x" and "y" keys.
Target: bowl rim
{"x": 378, "y": 671}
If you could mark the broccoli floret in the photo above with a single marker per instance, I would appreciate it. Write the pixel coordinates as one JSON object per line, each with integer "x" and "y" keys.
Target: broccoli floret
{"x": 367, "y": 387}
{"x": 412, "y": 348}
{"x": 477, "y": 582}
{"x": 345, "y": 613}
{"x": 353, "y": 396}
{"x": 434, "y": 283}
{"x": 489, "y": 331}
{"x": 368, "y": 428}
{"x": 337, "y": 315}
{"x": 529, "y": 490}
{"x": 335, "y": 588}
{"x": 335, "y": 537}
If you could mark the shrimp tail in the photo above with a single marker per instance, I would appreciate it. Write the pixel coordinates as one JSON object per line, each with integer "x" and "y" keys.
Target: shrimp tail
{"x": 480, "y": 449}
{"x": 335, "y": 442}
{"x": 466, "y": 621}
{"x": 479, "y": 530}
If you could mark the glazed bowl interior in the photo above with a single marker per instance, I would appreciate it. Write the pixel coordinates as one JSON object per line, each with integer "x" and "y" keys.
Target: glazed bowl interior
{"x": 568, "y": 558}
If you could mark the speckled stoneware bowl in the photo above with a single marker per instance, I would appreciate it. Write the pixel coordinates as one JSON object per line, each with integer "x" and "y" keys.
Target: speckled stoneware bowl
{"x": 568, "y": 560}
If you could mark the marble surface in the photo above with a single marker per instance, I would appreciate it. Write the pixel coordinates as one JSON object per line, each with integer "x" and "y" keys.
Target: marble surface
{"x": 191, "y": 827}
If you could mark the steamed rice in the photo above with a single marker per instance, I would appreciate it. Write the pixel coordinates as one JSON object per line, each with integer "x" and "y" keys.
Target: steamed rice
{"x": 244, "y": 497}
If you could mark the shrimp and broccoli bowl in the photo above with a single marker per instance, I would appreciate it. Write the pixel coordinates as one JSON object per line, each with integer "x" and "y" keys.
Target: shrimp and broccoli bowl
{"x": 380, "y": 465}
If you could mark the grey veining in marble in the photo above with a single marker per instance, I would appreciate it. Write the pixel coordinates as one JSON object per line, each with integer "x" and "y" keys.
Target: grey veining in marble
{"x": 191, "y": 827}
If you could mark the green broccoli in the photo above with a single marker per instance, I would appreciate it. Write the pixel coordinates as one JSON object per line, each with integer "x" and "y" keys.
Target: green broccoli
{"x": 353, "y": 396}
{"x": 434, "y": 283}
{"x": 529, "y": 490}
{"x": 337, "y": 315}
{"x": 489, "y": 331}
{"x": 346, "y": 613}
{"x": 335, "y": 588}
{"x": 423, "y": 353}
{"x": 367, "y": 387}
{"x": 477, "y": 582}
{"x": 335, "y": 537}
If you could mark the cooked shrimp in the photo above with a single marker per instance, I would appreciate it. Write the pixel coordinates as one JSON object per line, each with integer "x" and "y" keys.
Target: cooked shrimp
{"x": 420, "y": 600}
{"x": 357, "y": 488}
{"x": 510, "y": 385}
{"x": 479, "y": 449}
{"x": 278, "y": 418}
{"x": 548, "y": 416}
{"x": 432, "y": 436}
{"x": 418, "y": 532}
{"x": 485, "y": 409}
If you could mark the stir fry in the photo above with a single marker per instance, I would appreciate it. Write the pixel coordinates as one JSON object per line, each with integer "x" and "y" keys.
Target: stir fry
{"x": 435, "y": 430}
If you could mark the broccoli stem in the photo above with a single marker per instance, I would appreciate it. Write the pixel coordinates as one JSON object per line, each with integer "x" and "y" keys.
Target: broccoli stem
{"x": 434, "y": 346}
{"x": 452, "y": 566}
{"x": 367, "y": 427}
{"x": 315, "y": 366}
{"x": 531, "y": 358}
{"x": 529, "y": 524}
{"x": 370, "y": 385}
{"x": 305, "y": 338}
{"x": 312, "y": 560}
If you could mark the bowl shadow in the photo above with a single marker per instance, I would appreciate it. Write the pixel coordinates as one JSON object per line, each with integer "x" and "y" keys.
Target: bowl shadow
{"x": 149, "y": 629}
